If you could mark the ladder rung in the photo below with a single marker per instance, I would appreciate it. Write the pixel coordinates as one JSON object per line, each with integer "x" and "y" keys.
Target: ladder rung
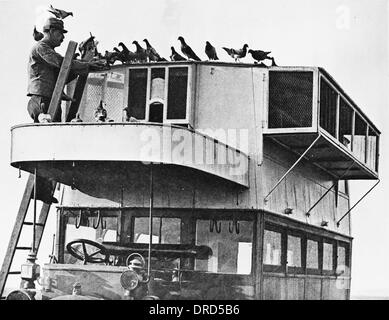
{"x": 3, "y": 298}
{"x": 23, "y": 248}
{"x": 14, "y": 272}
{"x": 31, "y": 224}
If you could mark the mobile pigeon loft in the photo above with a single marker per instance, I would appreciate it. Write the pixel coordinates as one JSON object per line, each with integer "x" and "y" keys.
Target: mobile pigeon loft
{"x": 231, "y": 183}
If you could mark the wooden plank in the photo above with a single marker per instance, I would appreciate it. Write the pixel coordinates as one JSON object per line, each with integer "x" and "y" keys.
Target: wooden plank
{"x": 16, "y": 232}
{"x": 42, "y": 220}
{"x": 62, "y": 77}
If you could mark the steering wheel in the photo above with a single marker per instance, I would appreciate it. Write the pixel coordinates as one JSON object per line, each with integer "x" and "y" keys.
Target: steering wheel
{"x": 88, "y": 253}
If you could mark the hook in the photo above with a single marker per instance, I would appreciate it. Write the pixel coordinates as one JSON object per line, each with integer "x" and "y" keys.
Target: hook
{"x": 213, "y": 224}
{"x": 231, "y": 228}
{"x": 78, "y": 219}
{"x": 237, "y": 228}
{"x": 103, "y": 224}
{"x": 95, "y": 226}
{"x": 234, "y": 225}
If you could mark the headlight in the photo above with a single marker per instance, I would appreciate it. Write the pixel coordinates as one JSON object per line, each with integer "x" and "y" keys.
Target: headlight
{"x": 129, "y": 280}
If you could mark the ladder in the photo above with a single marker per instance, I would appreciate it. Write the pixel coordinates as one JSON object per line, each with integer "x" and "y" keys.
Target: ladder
{"x": 54, "y": 108}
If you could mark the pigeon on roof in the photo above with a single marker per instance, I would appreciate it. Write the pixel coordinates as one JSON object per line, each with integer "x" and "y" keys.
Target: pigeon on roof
{"x": 125, "y": 55}
{"x": 186, "y": 50}
{"x": 88, "y": 48}
{"x": 111, "y": 56}
{"x": 210, "y": 51}
{"x": 60, "y": 14}
{"x": 141, "y": 53}
{"x": 259, "y": 55}
{"x": 237, "y": 53}
{"x": 152, "y": 54}
{"x": 175, "y": 56}
{"x": 37, "y": 35}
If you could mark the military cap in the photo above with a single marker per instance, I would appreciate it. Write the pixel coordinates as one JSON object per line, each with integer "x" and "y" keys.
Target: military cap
{"x": 54, "y": 23}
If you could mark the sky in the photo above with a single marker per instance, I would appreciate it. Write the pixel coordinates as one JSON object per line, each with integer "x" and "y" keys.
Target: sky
{"x": 347, "y": 38}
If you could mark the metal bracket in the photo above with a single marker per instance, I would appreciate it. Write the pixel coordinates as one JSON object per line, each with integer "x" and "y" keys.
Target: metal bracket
{"x": 338, "y": 223}
{"x": 292, "y": 167}
{"x": 311, "y": 208}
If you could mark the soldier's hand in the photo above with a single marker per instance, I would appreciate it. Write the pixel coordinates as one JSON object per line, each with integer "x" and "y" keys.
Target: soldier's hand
{"x": 98, "y": 64}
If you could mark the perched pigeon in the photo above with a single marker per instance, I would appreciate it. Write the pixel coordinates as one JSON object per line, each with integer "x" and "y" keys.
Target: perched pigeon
{"x": 127, "y": 116}
{"x": 77, "y": 118}
{"x": 44, "y": 118}
{"x": 111, "y": 57}
{"x": 76, "y": 55}
{"x": 176, "y": 56}
{"x": 141, "y": 53}
{"x": 186, "y": 50}
{"x": 125, "y": 55}
{"x": 259, "y": 55}
{"x": 237, "y": 54}
{"x": 88, "y": 48}
{"x": 101, "y": 114}
{"x": 60, "y": 14}
{"x": 37, "y": 35}
{"x": 273, "y": 63}
{"x": 210, "y": 51}
{"x": 152, "y": 54}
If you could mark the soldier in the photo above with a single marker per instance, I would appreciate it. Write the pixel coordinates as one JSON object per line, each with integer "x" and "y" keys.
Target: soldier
{"x": 44, "y": 65}
{"x": 43, "y": 69}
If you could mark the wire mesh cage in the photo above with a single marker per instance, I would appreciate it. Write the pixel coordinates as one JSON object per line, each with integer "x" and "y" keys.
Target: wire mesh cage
{"x": 328, "y": 101}
{"x": 105, "y": 87}
{"x": 290, "y": 99}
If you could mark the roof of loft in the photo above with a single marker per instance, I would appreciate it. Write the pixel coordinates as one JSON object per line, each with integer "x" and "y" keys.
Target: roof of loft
{"x": 254, "y": 65}
{"x": 326, "y": 154}
{"x": 339, "y": 88}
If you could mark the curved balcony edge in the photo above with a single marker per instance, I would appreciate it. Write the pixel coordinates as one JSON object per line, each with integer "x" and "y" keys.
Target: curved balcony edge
{"x": 132, "y": 142}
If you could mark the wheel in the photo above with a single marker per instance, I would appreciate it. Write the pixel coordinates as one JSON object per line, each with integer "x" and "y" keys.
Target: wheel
{"x": 91, "y": 251}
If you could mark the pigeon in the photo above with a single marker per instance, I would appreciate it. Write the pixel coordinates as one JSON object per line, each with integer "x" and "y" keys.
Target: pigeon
{"x": 126, "y": 55}
{"x": 120, "y": 55}
{"x": 75, "y": 56}
{"x": 273, "y": 63}
{"x": 210, "y": 51}
{"x": 88, "y": 48}
{"x": 37, "y": 35}
{"x": 237, "y": 54}
{"x": 44, "y": 118}
{"x": 77, "y": 118}
{"x": 186, "y": 50}
{"x": 60, "y": 14}
{"x": 259, "y": 55}
{"x": 141, "y": 53}
{"x": 128, "y": 117}
{"x": 152, "y": 54}
{"x": 101, "y": 114}
{"x": 176, "y": 56}
{"x": 111, "y": 57}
